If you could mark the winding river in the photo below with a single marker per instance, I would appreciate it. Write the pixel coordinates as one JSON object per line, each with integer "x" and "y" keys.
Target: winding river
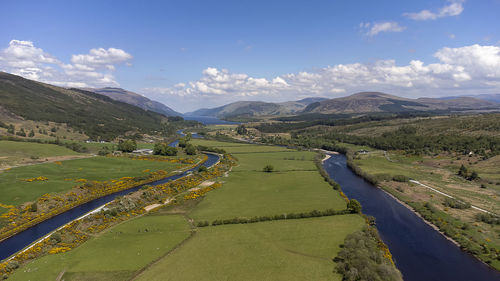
{"x": 23, "y": 239}
{"x": 420, "y": 252}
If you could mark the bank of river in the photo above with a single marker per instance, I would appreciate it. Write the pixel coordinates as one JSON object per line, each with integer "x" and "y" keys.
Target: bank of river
{"x": 420, "y": 252}
{"x": 21, "y": 240}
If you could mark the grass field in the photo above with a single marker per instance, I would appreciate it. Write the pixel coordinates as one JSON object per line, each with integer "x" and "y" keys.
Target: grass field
{"x": 15, "y": 191}
{"x": 115, "y": 254}
{"x": 296, "y": 186}
{"x": 13, "y": 153}
{"x": 280, "y": 250}
{"x": 300, "y": 249}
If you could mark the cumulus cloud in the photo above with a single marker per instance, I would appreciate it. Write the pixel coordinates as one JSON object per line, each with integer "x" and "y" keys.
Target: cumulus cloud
{"x": 464, "y": 70}
{"x": 85, "y": 70}
{"x": 376, "y": 28}
{"x": 454, "y": 8}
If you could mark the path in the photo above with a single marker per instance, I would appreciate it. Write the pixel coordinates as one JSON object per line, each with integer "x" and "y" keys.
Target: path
{"x": 449, "y": 196}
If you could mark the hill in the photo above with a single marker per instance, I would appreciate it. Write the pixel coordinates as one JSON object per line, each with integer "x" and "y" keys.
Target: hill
{"x": 135, "y": 99}
{"x": 486, "y": 97}
{"x": 381, "y": 102}
{"x": 98, "y": 116}
{"x": 255, "y": 108}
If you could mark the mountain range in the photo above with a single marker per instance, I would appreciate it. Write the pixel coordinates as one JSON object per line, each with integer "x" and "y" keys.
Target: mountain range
{"x": 255, "y": 108}
{"x": 132, "y": 98}
{"x": 363, "y": 102}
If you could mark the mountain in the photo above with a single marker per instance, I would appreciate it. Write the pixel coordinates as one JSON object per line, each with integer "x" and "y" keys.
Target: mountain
{"x": 487, "y": 97}
{"x": 135, "y": 99}
{"x": 255, "y": 108}
{"x": 381, "y": 102}
{"x": 96, "y": 115}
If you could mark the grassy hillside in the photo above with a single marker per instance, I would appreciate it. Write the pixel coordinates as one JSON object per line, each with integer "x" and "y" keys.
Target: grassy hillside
{"x": 135, "y": 99}
{"x": 381, "y": 102}
{"x": 15, "y": 153}
{"x": 96, "y": 115}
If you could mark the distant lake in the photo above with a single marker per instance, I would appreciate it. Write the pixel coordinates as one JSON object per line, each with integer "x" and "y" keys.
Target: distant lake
{"x": 209, "y": 120}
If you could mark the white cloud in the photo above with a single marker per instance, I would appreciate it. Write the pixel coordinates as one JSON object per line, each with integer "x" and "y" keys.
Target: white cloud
{"x": 376, "y": 28}
{"x": 454, "y": 8}
{"x": 466, "y": 70}
{"x": 86, "y": 70}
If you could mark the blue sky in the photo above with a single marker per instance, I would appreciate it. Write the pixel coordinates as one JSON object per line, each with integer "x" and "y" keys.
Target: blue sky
{"x": 191, "y": 54}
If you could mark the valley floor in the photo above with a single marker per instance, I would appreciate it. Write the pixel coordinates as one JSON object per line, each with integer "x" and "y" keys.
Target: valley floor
{"x": 168, "y": 244}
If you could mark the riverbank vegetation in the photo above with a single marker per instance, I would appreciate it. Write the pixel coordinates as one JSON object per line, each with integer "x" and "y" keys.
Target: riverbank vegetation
{"x": 70, "y": 183}
{"x": 121, "y": 209}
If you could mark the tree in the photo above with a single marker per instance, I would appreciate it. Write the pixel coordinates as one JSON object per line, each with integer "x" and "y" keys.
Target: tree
{"x": 32, "y": 134}
{"x": 182, "y": 142}
{"x": 127, "y": 145}
{"x": 241, "y": 130}
{"x": 354, "y": 206}
{"x": 162, "y": 148}
{"x": 268, "y": 169}
{"x": 21, "y": 133}
{"x": 463, "y": 171}
{"x": 190, "y": 149}
{"x": 34, "y": 207}
{"x": 11, "y": 129}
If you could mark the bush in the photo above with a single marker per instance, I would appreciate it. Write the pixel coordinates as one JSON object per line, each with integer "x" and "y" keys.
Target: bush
{"x": 164, "y": 149}
{"x": 127, "y": 145}
{"x": 354, "y": 206}
{"x": 365, "y": 257}
{"x": 56, "y": 237}
{"x": 401, "y": 178}
{"x": 190, "y": 149}
{"x": 454, "y": 203}
{"x": 488, "y": 218}
{"x": 268, "y": 169}
{"x": 202, "y": 169}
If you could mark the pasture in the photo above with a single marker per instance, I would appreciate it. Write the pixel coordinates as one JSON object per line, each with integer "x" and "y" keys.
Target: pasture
{"x": 115, "y": 254}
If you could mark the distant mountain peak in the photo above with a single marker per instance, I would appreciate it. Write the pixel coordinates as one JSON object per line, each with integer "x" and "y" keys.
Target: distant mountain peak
{"x": 132, "y": 98}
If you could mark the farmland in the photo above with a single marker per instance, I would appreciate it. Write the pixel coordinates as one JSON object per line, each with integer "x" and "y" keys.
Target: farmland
{"x": 292, "y": 249}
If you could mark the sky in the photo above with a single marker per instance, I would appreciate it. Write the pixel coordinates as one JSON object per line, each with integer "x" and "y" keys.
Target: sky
{"x": 193, "y": 54}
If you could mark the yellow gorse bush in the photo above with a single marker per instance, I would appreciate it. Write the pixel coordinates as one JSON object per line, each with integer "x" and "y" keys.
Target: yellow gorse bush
{"x": 40, "y": 178}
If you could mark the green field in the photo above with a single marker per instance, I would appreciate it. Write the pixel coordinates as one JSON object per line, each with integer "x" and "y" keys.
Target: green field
{"x": 115, "y": 255}
{"x": 296, "y": 186}
{"x": 15, "y": 191}
{"x": 12, "y": 152}
{"x": 280, "y": 250}
{"x": 300, "y": 249}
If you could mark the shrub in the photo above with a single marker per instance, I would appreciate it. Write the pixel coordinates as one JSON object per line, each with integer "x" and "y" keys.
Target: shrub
{"x": 365, "y": 257}
{"x": 454, "y": 203}
{"x": 190, "y": 149}
{"x": 56, "y": 237}
{"x": 354, "y": 206}
{"x": 268, "y": 169}
{"x": 164, "y": 149}
{"x": 127, "y": 145}
{"x": 401, "y": 178}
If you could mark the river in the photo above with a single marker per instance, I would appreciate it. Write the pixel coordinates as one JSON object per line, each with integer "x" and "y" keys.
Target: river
{"x": 23, "y": 239}
{"x": 420, "y": 252}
